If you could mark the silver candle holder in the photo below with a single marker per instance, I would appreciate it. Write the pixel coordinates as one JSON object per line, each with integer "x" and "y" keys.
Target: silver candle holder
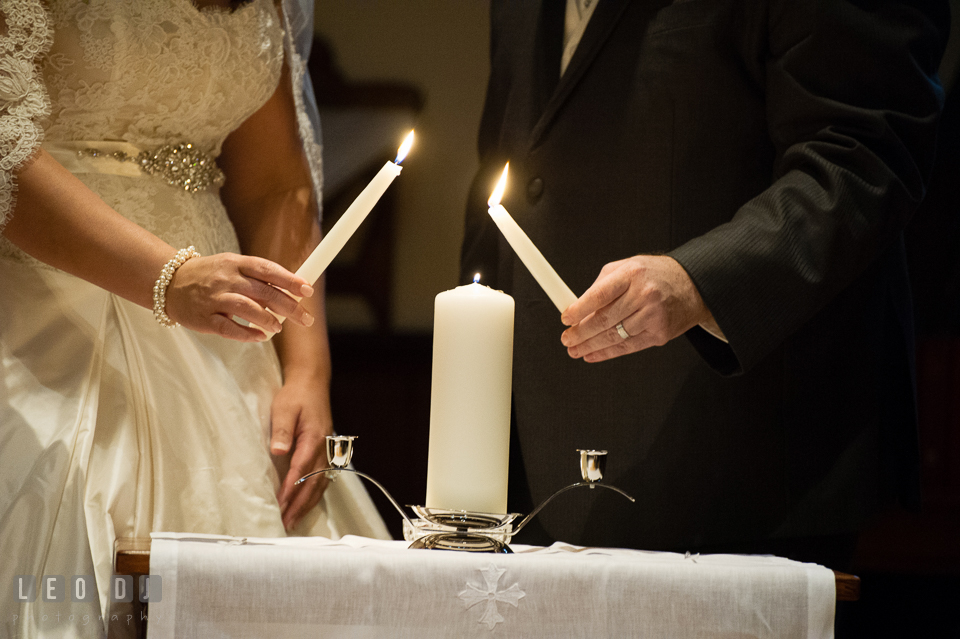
{"x": 461, "y": 530}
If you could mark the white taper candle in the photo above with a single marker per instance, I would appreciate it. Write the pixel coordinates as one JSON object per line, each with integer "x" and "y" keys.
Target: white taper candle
{"x": 335, "y": 239}
{"x": 350, "y": 221}
{"x": 344, "y": 228}
{"x": 555, "y": 288}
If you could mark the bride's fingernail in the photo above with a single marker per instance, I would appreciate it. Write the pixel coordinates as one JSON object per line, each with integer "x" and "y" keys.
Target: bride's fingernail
{"x": 306, "y": 290}
{"x": 308, "y": 319}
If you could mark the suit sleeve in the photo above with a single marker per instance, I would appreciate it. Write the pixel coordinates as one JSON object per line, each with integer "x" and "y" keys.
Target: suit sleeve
{"x": 852, "y": 104}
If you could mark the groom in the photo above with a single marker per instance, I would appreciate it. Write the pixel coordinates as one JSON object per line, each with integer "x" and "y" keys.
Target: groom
{"x": 753, "y": 166}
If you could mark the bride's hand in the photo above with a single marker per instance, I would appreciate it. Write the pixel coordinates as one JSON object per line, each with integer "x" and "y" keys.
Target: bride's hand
{"x": 300, "y": 423}
{"x": 206, "y": 292}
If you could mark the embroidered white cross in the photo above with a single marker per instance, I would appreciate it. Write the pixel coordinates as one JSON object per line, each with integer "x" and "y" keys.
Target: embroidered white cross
{"x": 474, "y": 595}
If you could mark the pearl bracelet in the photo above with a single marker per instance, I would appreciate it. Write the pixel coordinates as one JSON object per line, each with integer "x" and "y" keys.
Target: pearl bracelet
{"x": 160, "y": 288}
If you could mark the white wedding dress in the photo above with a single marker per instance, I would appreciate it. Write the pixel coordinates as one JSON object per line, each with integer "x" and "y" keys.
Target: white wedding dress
{"x": 112, "y": 426}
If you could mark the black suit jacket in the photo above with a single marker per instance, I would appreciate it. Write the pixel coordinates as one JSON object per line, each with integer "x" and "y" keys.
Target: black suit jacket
{"x": 776, "y": 149}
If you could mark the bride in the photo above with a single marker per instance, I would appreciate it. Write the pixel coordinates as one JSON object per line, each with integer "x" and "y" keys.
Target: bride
{"x": 158, "y": 166}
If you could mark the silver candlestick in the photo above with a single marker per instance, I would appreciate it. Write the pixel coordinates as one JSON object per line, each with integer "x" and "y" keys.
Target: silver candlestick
{"x": 442, "y": 529}
{"x": 339, "y": 456}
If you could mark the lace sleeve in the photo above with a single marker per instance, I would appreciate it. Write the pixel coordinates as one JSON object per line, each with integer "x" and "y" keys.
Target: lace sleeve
{"x": 298, "y": 36}
{"x": 25, "y": 35}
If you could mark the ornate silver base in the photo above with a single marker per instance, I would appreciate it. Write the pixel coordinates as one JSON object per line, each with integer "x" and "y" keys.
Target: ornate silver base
{"x": 461, "y": 542}
{"x": 438, "y": 529}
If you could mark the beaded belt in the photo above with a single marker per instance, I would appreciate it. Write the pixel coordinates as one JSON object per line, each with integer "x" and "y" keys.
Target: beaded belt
{"x": 181, "y": 165}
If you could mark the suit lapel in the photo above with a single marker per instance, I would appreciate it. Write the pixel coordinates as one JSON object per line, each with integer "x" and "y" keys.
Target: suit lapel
{"x": 549, "y": 46}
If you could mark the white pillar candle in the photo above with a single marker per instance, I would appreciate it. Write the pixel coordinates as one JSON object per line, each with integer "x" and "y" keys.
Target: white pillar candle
{"x": 470, "y": 400}
{"x": 555, "y": 288}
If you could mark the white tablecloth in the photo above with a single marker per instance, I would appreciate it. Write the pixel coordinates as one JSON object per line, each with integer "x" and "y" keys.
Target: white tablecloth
{"x": 356, "y": 587}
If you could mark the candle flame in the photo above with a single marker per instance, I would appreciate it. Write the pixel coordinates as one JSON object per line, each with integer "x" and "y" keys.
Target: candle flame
{"x": 404, "y": 148}
{"x": 476, "y": 278}
{"x": 501, "y": 187}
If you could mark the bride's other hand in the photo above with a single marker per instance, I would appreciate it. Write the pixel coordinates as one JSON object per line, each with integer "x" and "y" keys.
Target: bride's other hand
{"x": 300, "y": 423}
{"x": 207, "y": 292}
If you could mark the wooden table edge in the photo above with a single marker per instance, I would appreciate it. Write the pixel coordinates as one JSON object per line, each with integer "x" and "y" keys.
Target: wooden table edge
{"x": 848, "y": 586}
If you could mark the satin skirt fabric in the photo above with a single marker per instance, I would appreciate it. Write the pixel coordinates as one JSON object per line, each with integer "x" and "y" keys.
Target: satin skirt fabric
{"x": 112, "y": 426}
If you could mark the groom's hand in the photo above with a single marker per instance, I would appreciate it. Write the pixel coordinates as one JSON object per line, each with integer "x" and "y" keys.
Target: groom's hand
{"x": 636, "y": 303}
